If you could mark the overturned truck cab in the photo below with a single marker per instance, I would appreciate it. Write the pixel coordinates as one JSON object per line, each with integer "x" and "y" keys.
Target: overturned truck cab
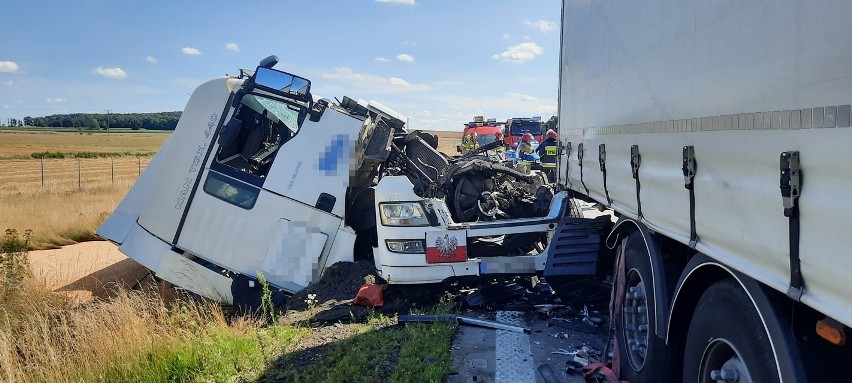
{"x": 260, "y": 177}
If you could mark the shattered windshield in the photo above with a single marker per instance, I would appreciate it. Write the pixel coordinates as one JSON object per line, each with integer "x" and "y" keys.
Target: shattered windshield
{"x": 275, "y": 110}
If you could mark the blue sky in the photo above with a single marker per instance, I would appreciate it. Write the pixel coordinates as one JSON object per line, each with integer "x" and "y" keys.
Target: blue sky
{"x": 439, "y": 62}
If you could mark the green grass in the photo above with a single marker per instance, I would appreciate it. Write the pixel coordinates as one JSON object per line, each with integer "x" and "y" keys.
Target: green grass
{"x": 380, "y": 352}
{"x": 218, "y": 355}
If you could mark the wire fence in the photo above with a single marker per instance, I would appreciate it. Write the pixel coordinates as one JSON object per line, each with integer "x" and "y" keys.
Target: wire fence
{"x": 65, "y": 175}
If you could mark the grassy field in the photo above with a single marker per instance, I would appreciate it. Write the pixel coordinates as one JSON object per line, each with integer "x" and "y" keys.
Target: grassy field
{"x": 137, "y": 336}
{"x": 64, "y": 200}
{"x": 447, "y": 141}
{"x": 22, "y": 144}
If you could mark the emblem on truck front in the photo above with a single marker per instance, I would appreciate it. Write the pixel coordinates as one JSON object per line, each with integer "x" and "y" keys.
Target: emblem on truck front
{"x": 447, "y": 245}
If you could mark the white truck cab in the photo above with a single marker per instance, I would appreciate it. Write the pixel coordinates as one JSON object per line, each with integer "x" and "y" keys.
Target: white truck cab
{"x": 261, "y": 178}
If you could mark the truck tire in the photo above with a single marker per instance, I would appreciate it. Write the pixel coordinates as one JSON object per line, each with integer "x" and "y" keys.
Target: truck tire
{"x": 574, "y": 209}
{"x": 361, "y": 215}
{"x": 364, "y": 243}
{"x": 643, "y": 357}
{"x": 726, "y": 334}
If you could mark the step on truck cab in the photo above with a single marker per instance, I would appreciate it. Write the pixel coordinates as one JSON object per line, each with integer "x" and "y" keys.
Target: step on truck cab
{"x": 261, "y": 177}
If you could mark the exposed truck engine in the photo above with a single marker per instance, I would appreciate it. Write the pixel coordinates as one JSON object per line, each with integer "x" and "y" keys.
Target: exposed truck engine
{"x": 261, "y": 177}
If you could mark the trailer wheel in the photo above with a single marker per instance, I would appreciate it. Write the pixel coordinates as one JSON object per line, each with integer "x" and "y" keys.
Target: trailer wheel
{"x": 643, "y": 357}
{"x": 727, "y": 341}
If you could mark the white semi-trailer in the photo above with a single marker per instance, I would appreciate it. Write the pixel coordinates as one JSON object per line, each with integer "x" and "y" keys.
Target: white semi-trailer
{"x": 719, "y": 133}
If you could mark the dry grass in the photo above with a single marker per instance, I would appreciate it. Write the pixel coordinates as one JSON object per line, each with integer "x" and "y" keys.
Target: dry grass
{"x": 73, "y": 197}
{"x": 133, "y": 337}
{"x": 24, "y": 176}
{"x": 18, "y": 144}
{"x": 59, "y": 218}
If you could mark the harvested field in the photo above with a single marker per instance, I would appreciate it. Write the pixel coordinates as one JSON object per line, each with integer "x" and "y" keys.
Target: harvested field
{"x": 21, "y": 144}
{"x": 26, "y": 176}
{"x": 63, "y": 200}
{"x": 447, "y": 140}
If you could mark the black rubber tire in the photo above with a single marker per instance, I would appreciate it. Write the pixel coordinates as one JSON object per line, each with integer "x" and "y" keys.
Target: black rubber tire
{"x": 361, "y": 215}
{"x": 574, "y": 209}
{"x": 654, "y": 366}
{"x": 364, "y": 243}
{"x": 725, "y": 312}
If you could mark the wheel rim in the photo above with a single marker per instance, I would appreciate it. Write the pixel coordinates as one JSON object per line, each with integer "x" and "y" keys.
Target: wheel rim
{"x": 636, "y": 321}
{"x": 722, "y": 362}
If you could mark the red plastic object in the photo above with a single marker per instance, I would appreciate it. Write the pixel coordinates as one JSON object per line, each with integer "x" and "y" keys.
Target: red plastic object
{"x": 370, "y": 295}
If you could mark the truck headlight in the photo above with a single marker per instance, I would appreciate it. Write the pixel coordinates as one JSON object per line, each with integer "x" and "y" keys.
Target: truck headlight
{"x": 406, "y": 245}
{"x": 403, "y": 214}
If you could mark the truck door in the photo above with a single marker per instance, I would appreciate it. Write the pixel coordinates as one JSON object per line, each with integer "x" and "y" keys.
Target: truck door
{"x": 182, "y": 160}
{"x": 236, "y": 221}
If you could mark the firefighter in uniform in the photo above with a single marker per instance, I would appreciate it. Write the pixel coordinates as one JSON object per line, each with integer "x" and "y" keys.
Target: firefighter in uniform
{"x": 499, "y": 137}
{"x": 525, "y": 149}
{"x": 547, "y": 152}
{"x": 470, "y": 143}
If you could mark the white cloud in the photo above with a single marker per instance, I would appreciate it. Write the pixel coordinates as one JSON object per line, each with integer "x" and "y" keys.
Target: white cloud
{"x": 232, "y": 47}
{"x": 151, "y": 59}
{"x": 365, "y": 82}
{"x": 58, "y": 99}
{"x": 405, "y": 57}
{"x": 542, "y": 25}
{"x": 9, "y": 83}
{"x": 396, "y": 81}
{"x": 381, "y": 59}
{"x": 406, "y": 2}
{"x": 522, "y": 97}
{"x": 7, "y": 106}
{"x": 548, "y": 109}
{"x": 412, "y": 43}
{"x": 191, "y": 51}
{"x": 506, "y": 35}
{"x": 520, "y": 53}
{"x": 117, "y": 73}
{"x": 8, "y": 67}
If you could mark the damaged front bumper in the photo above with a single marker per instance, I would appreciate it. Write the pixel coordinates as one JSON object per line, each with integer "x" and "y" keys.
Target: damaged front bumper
{"x": 447, "y": 254}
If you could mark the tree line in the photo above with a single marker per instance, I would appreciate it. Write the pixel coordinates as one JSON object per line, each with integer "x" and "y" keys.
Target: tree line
{"x": 95, "y": 121}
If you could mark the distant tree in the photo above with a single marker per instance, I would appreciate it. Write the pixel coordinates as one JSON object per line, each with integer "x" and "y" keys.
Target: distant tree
{"x": 28, "y": 121}
{"x": 13, "y": 122}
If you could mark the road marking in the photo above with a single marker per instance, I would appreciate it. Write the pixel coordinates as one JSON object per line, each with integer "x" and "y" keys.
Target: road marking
{"x": 513, "y": 353}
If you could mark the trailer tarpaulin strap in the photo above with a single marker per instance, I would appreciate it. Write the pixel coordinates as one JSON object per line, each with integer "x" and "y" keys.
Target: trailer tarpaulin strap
{"x": 566, "y": 151}
{"x": 580, "y": 161}
{"x": 688, "y": 178}
{"x": 602, "y": 161}
{"x": 635, "y": 160}
{"x": 790, "y": 190}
